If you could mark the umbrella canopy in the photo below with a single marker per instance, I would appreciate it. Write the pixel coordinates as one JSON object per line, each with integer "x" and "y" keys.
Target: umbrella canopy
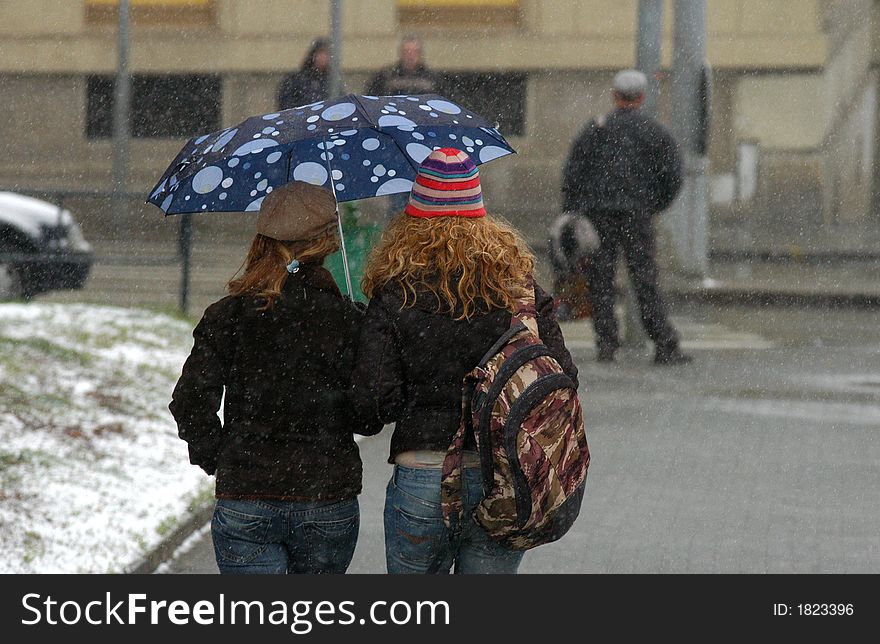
{"x": 358, "y": 146}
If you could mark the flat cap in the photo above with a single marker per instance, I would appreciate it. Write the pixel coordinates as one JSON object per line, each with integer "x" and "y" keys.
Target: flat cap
{"x": 630, "y": 83}
{"x": 297, "y": 211}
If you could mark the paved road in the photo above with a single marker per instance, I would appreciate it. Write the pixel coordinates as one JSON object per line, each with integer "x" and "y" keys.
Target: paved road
{"x": 763, "y": 456}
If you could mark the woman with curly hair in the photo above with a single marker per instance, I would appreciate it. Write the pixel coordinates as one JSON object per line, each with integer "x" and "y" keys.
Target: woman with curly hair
{"x": 443, "y": 283}
{"x": 281, "y": 347}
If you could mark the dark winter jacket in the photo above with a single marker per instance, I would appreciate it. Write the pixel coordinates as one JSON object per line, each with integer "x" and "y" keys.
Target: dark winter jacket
{"x": 288, "y": 419}
{"x": 303, "y": 87}
{"x": 396, "y": 80}
{"x": 626, "y": 162}
{"x": 411, "y": 363}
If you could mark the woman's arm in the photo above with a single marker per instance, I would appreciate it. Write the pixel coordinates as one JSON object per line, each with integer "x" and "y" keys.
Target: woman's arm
{"x": 196, "y": 398}
{"x": 362, "y": 420}
{"x": 377, "y": 379}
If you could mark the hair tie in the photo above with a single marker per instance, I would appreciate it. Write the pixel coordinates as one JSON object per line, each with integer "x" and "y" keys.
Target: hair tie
{"x": 293, "y": 266}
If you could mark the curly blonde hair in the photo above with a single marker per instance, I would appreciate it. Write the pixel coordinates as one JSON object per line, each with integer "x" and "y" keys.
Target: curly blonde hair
{"x": 265, "y": 267}
{"x": 479, "y": 264}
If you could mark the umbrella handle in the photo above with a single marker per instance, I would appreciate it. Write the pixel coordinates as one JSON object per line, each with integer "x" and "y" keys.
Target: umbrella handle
{"x": 342, "y": 248}
{"x": 339, "y": 223}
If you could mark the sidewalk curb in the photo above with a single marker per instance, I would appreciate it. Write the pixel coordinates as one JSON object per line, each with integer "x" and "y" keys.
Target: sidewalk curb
{"x": 769, "y": 297}
{"x": 192, "y": 521}
{"x": 793, "y": 255}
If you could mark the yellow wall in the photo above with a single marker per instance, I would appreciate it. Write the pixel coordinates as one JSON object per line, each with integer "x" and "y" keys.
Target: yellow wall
{"x": 554, "y": 34}
{"x": 789, "y": 74}
{"x": 780, "y": 111}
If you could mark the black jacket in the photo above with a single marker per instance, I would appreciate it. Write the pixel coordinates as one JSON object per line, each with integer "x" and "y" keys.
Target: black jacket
{"x": 411, "y": 363}
{"x": 625, "y": 162}
{"x": 396, "y": 80}
{"x": 303, "y": 87}
{"x": 288, "y": 419}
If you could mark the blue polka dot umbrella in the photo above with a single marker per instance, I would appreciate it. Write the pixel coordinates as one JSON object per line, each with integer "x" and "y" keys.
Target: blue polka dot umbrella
{"x": 358, "y": 146}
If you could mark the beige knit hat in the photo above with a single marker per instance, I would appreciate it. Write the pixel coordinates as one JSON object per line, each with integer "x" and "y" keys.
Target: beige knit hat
{"x": 297, "y": 211}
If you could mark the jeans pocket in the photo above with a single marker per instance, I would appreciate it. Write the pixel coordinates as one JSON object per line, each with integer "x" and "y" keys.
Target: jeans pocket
{"x": 332, "y": 528}
{"x": 239, "y": 537}
{"x": 417, "y": 540}
{"x": 331, "y": 541}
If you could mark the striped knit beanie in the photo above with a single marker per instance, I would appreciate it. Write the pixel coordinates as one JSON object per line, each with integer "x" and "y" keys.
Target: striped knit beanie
{"x": 447, "y": 185}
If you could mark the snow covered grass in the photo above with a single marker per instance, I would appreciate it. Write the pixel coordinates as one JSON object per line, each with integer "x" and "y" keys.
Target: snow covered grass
{"x": 92, "y": 473}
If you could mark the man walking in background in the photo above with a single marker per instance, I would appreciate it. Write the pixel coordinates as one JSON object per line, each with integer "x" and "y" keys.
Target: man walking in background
{"x": 623, "y": 169}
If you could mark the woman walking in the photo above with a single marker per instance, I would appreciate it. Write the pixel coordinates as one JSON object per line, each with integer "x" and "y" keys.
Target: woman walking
{"x": 443, "y": 282}
{"x": 281, "y": 345}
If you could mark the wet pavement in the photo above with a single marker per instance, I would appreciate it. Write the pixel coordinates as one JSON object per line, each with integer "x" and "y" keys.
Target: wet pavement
{"x": 760, "y": 457}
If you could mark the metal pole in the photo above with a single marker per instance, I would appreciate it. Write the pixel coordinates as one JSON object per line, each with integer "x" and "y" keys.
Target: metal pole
{"x": 336, "y": 90}
{"x": 875, "y": 174}
{"x": 648, "y": 50}
{"x": 649, "y": 44}
{"x": 335, "y": 48}
{"x": 121, "y": 106}
{"x": 688, "y": 217}
{"x": 185, "y": 239}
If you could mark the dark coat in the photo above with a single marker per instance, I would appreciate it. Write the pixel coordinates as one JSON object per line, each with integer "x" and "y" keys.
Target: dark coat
{"x": 288, "y": 419}
{"x": 411, "y": 363}
{"x": 626, "y": 162}
{"x": 396, "y": 80}
{"x": 303, "y": 87}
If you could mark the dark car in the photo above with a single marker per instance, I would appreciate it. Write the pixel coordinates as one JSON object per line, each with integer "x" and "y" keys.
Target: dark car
{"x": 41, "y": 248}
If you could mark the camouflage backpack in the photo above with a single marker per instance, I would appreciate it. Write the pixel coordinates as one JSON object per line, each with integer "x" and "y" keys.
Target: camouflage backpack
{"x": 526, "y": 417}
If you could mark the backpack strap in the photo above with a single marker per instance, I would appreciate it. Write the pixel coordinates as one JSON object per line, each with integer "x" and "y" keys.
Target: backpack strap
{"x": 450, "y": 481}
{"x": 525, "y": 312}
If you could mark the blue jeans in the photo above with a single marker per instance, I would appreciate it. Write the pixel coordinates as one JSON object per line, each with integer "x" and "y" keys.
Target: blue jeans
{"x": 284, "y": 537}
{"x": 418, "y": 542}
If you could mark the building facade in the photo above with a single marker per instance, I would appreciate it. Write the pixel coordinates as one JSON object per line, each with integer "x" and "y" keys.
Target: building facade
{"x": 794, "y": 92}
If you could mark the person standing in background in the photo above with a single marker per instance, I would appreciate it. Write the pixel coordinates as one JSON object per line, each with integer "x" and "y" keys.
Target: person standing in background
{"x": 312, "y": 82}
{"x": 410, "y": 75}
{"x": 623, "y": 170}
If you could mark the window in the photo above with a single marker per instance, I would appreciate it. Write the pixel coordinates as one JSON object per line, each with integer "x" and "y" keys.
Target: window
{"x": 465, "y": 13}
{"x": 498, "y": 96}
{"x": 153, "y": 12}
{"x": 179, "y": 105}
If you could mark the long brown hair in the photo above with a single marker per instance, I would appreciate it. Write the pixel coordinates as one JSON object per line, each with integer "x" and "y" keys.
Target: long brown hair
{"x": 483, "y": 259}
{"x": 265, "y": 267}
